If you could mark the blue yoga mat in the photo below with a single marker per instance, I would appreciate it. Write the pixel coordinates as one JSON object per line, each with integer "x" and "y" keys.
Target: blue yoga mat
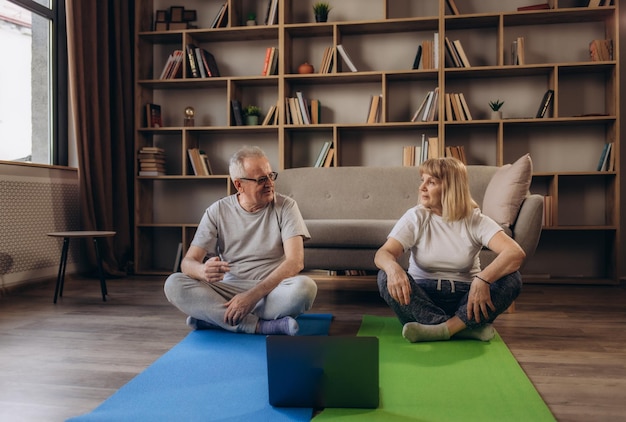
{"x": 211, "y": 375}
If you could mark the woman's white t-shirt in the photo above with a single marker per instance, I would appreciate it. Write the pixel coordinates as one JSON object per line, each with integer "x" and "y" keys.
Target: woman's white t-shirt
{"x": 440, "y": 249}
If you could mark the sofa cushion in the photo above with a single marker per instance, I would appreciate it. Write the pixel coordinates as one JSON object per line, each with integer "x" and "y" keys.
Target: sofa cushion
{"x": 348, "y": 233}
{"x": 506, "y": 191}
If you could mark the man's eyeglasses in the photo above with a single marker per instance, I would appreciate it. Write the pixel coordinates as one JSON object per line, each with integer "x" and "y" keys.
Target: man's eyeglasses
{"x": 262, "y": 180}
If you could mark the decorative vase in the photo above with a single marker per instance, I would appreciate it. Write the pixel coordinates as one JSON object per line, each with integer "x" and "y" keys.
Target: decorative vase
{"x": 496, "y": 115}
{"x": 305, "y": 68}
{"x": 321, "y": 17}
{"x": 252, "y": 120}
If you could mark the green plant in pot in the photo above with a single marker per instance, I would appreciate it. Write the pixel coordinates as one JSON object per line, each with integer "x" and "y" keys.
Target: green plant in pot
{"x": 495, "y": 106}
{"x": 321, "y": 9}
{"x": 252, "y": 114}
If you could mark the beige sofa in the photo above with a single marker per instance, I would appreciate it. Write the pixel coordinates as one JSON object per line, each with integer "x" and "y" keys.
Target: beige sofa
{"x": 349, "y": 211}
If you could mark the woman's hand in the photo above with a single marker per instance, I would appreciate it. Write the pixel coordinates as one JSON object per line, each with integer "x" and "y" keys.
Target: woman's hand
{"x": 479, "y": 300}
{"x": 398, "y": 286}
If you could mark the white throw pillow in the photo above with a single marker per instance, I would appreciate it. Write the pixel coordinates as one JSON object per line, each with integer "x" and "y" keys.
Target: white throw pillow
{"x": 507, "y": 189}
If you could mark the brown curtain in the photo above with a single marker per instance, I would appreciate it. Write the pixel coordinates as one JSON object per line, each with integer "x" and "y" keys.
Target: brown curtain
{"x": 100, "y": 47}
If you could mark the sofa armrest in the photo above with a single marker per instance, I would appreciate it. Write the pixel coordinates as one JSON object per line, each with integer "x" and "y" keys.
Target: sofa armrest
{"x": 527, "y": 228}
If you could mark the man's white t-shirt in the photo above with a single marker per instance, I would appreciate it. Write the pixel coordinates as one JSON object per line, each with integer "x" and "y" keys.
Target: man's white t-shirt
{"x": 440, "y": 249}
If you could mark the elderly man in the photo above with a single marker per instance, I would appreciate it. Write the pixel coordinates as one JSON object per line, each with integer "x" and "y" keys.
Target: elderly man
{"x": 254, "y": 244}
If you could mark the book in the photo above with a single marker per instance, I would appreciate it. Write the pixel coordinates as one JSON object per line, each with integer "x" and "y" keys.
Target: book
{"x": 604, "y": 162}
{"x": 594, "y": 3}
{"x": 218, "y": 15}
{"x": 192, "y": 61}
{"x": 418, "y": 57}
{"x": 153, "y": 115}
{"x": 452, "y": 6}
{"x": 209, "y": 63}
{"x": 327, "y": 60}
{"x": 196, "y": 162}
{"x": 538, "y": 6}
{"x": 346, "y": 58}
{"x": 420, "y": 109}
{"x": 452, "y": 57}
{"x": 304, "y": 109}
{"x": 465, "y": 107}
{"x": 272, "y": 13}
{"x": 546, "y": 101}
{"x": 329, "y": 157}
{"x": 222, "y": 18}
{"x": 269, "y": 116}
{"x": 206, "y": 164}
{"x": 178, "y": 258}
{"x": 237, "y": 119}
{"x": 373, "y": 115}
{"x": 266, "y": 62}
{"x": 316, "y": 111}
{"x": 433, "y": 147}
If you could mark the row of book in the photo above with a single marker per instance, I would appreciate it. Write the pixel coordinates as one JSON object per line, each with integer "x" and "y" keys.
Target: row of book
{"x": 302, "y": 111}
{"x": 518, "y": 56}
{"x": 270, "y": 65}
{"x": 325, "y": 156}
{"x": 601, "y": 50}
{"x": 327, "y": 60}
{"x": 456, "y": 107}
{"x": 151, "y": 161}
{"x": 200, "y": 163}
{"x": 427, "y": 111}
{"x": 414, "y": 155}
{"x": 202, "y": 64}
{"x": 607, "y": 158}
{"x": 455, "y": 54}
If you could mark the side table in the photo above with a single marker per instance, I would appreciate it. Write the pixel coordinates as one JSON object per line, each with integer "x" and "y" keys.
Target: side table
{"x": 96, "y": 235}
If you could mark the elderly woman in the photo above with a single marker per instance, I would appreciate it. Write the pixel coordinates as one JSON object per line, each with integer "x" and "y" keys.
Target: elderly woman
{"x": 445, "y": 292}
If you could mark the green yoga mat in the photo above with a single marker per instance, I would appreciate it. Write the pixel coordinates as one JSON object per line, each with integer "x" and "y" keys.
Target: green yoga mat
{"x": 459, "y": 380}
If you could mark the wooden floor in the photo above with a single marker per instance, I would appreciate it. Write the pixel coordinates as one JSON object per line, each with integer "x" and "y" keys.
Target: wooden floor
{"x": 59, "y": 361}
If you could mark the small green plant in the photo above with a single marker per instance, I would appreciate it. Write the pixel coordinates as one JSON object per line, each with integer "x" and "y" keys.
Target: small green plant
{"x": 251, "y": 16}
{"x": 496, "y": 105}
{"x": 321, "y": 8}
{"x": 252, "y": 110}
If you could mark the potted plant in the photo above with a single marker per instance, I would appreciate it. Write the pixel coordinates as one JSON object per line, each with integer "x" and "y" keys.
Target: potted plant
{"x": 251, "y": 21}
{"x": 495, "y": 106}
{"x": 252, "y": 114}
{"x": 321, "y": 9}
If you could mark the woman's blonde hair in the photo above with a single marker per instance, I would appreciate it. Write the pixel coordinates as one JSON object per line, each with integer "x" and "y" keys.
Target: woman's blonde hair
{"x": 456, "y": 199}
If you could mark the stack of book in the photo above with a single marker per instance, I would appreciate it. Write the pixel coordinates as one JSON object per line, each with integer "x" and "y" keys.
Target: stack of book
{"x": 199, "y": 162}
{"x": 151, "y": 161}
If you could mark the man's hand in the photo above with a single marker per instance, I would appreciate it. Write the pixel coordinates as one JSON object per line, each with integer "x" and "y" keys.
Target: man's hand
{"x": 239, "y": 307}
{"x": 214, "y": 269}
{"x": 479, "y": 300}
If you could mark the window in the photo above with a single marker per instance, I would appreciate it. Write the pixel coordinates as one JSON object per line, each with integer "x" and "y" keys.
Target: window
{"x": 32, "y": 87}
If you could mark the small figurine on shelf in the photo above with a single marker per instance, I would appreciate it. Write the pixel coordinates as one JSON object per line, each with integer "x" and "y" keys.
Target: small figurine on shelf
{"x": 495, "y": 106}
{"x": 189, "y": 120}
{"x": 321, "y": 10}
{"x": 252, "y": 114}
{"x": 251, "y": 21}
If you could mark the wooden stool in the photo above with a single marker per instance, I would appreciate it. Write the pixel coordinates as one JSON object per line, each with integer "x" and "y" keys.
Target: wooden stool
{"x": 58, "y": 290}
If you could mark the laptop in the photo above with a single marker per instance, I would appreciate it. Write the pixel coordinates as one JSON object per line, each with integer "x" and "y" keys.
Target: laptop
{"x": 323, "y": 371}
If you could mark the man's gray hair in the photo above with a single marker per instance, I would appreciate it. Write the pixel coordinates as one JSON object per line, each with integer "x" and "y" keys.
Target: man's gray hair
{"x": 235, "y": 168}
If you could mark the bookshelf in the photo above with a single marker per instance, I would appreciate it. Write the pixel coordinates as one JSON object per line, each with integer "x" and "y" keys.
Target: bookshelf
{"x": 381, "y": 37}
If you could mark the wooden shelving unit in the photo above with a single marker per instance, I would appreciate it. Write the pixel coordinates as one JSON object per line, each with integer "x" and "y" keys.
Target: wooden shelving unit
{"x": 381, "y": 36}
